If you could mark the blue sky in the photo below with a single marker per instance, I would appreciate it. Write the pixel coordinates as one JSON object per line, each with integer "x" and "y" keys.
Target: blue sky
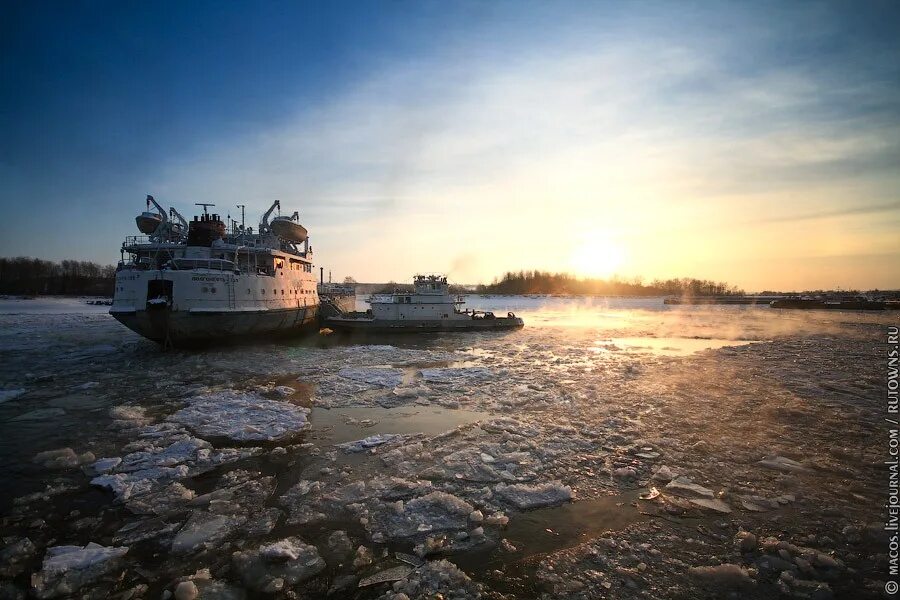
{"x": 758, "y": 144}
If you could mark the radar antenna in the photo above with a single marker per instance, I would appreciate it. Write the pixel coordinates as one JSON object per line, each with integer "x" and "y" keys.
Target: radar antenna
{"x": 205, "y": 206}
{"x": 242, "y": 207}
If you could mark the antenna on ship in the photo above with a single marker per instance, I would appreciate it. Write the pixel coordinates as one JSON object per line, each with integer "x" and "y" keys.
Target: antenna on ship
{"x": 241, "y": 206}
{"x": 204, "y": 205}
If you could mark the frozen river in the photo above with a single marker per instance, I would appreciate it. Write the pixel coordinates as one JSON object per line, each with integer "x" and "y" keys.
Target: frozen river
{"x": 612, "y": 448}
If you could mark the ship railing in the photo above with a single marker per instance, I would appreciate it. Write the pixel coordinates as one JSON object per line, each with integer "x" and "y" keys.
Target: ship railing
{"x": 212, "y": 264}
{"x": 135, "y": 240}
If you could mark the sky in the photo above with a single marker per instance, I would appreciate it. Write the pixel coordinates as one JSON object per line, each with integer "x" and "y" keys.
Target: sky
{"x": 753, "y": 143}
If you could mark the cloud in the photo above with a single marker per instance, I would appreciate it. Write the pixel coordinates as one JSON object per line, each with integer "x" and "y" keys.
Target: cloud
{"x": 839, "y": 212}
{"x": 516, "y": 153}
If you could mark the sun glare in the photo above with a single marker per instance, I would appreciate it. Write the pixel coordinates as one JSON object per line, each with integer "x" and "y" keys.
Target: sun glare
{"x": 598, "y": 256}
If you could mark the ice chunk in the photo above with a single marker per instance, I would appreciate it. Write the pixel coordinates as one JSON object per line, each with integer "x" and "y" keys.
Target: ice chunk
{"x": 280, "y": 551}
{"x": 7, "y": 395}
{"x": 242, "y": 417}
{"x": 437, "y": 578}
{"x": 14, "y": 555}
{"x": 437, "y": 511}
{"x": 682, "y": 486}
{"x": 67, "y": 568}
{"x": 284, "y": 563}
{"x": 456, "y": 375}
{"x": 144, "y": 471}
{"x": 726, "y": 575}
{"x": 186, "y": 590}
{"x": 713, "y": 504}
{"x": 105, "y": 465}
{"x": 388, "y": 575}
{"x": 380, "y": 376}
{"x": 780, "y": 463}
{"x": 57, "y": 459}
{"x": 204, "y": 530}
{"x": 525, "y": 497}
{"x": 40, "y": 414}
{"x": 374, "y": 440}
{"x": 126, "y": 415}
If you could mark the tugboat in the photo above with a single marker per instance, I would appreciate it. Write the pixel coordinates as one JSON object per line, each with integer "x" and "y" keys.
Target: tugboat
{"x": 185, "y": 283}
{"x": 429, "y": 307}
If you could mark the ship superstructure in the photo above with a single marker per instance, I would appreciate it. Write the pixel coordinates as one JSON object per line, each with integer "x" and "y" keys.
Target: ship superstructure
{"x": 202, "y": 280}
{"x": 429, "y": 307}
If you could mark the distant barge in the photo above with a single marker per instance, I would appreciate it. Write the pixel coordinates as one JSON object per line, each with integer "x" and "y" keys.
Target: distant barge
{"x": 428, "y": 308}
{"x": 807, "y": 303}
{"x": 702, "y": 300}
{"x": 822, "y": 304}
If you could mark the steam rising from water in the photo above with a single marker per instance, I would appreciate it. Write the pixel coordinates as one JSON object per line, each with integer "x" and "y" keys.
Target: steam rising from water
{"x": 630, "y": 317}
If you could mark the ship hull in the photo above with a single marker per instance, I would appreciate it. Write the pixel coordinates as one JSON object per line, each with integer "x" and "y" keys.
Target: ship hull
{"x": 187, "y": 328}
{"x": 422, "y": 326}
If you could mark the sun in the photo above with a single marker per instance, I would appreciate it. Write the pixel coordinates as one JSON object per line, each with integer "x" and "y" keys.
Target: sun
{"x": 597, "y": 256}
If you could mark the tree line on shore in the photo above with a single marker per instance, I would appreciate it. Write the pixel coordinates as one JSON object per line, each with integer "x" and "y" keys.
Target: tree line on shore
{"x": 33, "y": 276}
{"x": 542, "y": 282}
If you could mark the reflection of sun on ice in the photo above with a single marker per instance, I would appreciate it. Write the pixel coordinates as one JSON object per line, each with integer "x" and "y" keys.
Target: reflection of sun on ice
{"x": 597, "y": 257}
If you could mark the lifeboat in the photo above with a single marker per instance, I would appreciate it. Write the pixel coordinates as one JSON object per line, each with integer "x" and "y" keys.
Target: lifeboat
{"x": 288, "y": 229}
{"x": 147, "y": 222}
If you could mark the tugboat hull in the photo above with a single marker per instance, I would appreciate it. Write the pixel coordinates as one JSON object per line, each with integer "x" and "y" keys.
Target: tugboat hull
{"x": 187, "y": 328}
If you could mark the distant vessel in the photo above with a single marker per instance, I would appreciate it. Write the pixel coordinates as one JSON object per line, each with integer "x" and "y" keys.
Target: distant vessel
{"x": 698, "y": 300}
{"x": 845, "y": 303}
{"x": 429, "y": 307}
{"x": 193, "y": 282}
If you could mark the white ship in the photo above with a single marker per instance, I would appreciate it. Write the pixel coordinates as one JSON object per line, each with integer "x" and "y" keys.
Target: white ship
{"x": 193, "y": 282}
{"x": 429, "y": 307}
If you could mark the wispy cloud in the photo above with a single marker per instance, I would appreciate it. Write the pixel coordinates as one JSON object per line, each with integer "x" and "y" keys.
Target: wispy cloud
{"x": 557, "y": 139}
{"x": 840, "y": 212}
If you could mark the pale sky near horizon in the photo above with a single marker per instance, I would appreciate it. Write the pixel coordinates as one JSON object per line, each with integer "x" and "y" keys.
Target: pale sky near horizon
{"x": 757, "y": 144}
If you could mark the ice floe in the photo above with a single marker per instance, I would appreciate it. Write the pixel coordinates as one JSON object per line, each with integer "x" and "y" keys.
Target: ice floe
{"x": 274, "y": 567}
{"x": 167, "y": 455}
{"x": 66, "y": 568}
{"x": 242, "y": 416}
{"x": 456, "y": 375}
{"x": 373, "y": 441}
{"x": 525, "y": 497}
{"x": 382, "y": 376}
{"x": 436, "y": 579}
{"x": 437, "y": 511}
